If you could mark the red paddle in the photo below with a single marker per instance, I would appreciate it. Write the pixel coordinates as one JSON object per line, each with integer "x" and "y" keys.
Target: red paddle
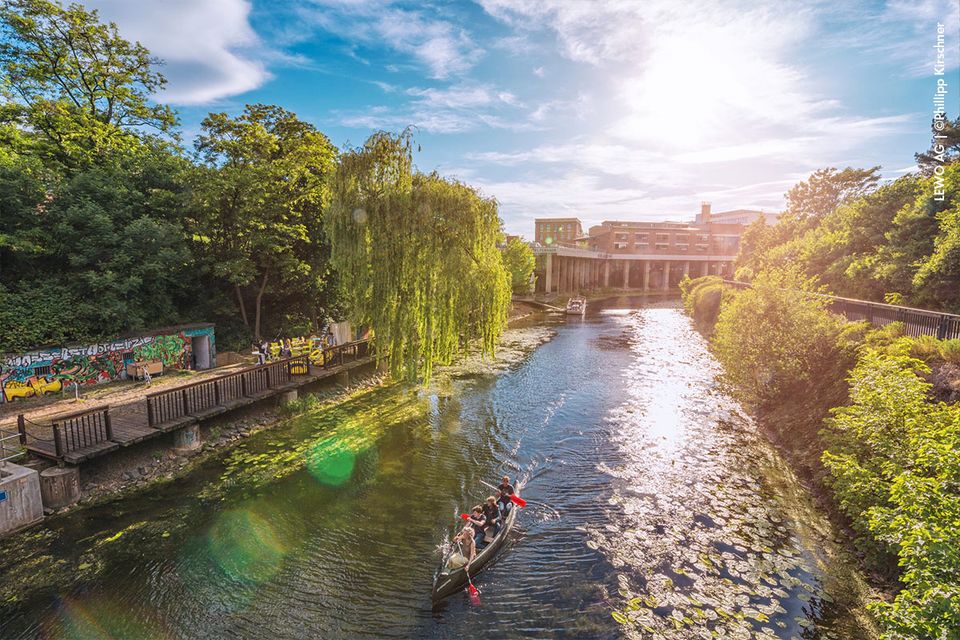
{"x": 474, "y": 593}
{"x": 465, "y": 516}
{"x": 517, "y": 500}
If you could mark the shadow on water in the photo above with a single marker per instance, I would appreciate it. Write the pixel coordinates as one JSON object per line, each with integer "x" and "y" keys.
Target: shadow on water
{"x": 653, "y": 508}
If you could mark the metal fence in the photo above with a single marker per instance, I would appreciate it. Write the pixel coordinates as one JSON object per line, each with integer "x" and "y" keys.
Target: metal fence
{"x": 917, "y": 322}
{"x": 8, "y": 449}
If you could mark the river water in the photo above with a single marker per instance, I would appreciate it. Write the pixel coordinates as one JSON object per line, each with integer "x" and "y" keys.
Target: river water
{"x": 655, "y": 510}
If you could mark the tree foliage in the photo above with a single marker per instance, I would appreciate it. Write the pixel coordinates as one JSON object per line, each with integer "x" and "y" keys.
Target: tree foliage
{"x": 260, "y": 200}
{"x": 776, "y": 340}
{"x": 894, "y": 460}
{"x": 520, "y": 262}
{"x": 77, "y": 82}
{"x": 899, "y": 240}
{"x": 416, "y": 255}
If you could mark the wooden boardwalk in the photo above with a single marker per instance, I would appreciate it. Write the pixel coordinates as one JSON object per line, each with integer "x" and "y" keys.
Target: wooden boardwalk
{"x": 79, "y": 436}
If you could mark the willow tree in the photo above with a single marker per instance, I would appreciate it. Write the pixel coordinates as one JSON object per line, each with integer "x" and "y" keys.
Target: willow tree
{"x": 417, "y": 257}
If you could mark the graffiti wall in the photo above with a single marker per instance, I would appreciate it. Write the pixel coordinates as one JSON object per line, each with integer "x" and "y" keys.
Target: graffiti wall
{"x": 41, "y": 372}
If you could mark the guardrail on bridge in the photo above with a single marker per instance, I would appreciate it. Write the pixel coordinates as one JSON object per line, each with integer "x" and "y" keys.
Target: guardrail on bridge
{"x": 917, "y": 322}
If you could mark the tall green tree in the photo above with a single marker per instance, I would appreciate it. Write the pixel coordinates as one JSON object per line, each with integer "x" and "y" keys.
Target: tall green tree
{"x": 260, "y": 199}
{"x": 520, "y": 262}
{"x": 417, "y": 257}
{"x": 76, "y": 82}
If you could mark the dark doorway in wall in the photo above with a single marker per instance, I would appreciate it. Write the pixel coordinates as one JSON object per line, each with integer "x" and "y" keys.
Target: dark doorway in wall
{"x": 201, "y": 352}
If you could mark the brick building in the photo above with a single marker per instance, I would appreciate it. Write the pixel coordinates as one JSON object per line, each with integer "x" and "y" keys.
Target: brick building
{"x": 552, "y": 230}
{"x": 641, "y": 255}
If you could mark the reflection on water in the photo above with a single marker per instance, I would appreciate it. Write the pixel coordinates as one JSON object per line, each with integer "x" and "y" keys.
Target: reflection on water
{"x": 653, "y": 509}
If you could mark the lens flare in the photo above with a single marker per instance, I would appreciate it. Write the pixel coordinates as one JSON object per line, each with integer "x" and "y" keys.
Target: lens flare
{"x": 101, "y": 619}
{"x": 245, "y": 546}
{"x": 331, "y": 461}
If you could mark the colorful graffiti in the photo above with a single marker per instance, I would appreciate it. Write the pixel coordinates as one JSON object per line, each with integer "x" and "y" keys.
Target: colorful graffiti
{"x": 51, "y": 371}
{"x": 170, "y": 350}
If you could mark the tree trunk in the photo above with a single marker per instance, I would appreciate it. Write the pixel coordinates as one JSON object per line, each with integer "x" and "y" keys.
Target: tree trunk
{"x": 256, "y": 322}
{"x": 243, "y": 307}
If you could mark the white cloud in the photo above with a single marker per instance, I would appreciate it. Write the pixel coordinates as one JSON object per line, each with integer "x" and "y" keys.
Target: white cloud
{"x": 208, "y": 46}
{"x": 453, "y": 109}
{"x": 444, "y": 48}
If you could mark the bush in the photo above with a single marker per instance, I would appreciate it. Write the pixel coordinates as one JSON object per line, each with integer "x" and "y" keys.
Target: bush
{"x": 702, "y": 299}
{"x": 776, "y": 341}
{"x": 894, "y": 462}
{"x": 926, "y": 348}
{"x": 950, "y": 351}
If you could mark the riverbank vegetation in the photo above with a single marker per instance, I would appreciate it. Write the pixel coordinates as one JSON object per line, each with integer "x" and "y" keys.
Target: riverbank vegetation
{"x": 870, "y": 416}
{"x": 859, "y": 411}
{"x": 112, "y": 224}
{"x": 896, "y": 242}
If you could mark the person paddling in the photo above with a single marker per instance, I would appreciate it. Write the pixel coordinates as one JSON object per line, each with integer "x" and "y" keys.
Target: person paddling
{"x": 468, "y": 549}
{"x": 492, "y": 513}
{"x": 479, "y": 522}
{"x": 504, "y": 491}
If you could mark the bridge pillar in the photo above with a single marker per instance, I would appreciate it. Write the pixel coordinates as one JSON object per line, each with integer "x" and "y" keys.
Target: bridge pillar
{"x": 606, "y": 274}
{"x": 548, "y": 272}
{"x": 626, "y": 274}
{"x": 59, "y": 486}
{"x": 646, "y": 275}
{"x": 666, "y": 275}
{"x": 187, "y": 438}
{"x": 686, "y": 268}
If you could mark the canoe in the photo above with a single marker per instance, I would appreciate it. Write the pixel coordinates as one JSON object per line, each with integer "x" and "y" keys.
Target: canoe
{"x": 447, "y": 583}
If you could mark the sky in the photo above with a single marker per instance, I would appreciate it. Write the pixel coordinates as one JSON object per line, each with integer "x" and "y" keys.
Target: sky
{"x": 598, "y": 109}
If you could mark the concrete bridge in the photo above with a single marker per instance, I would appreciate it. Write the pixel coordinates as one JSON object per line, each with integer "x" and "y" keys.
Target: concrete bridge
{"x": 565, "y": 269}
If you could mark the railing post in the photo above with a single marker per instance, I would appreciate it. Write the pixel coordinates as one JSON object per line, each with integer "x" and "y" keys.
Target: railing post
{"x": 267, "y": 373}
{"x": 57, "y": 444}
{"x": 107, "y": 423}
{"x": 243, "y": 384}
{"x": 150, "y": 417}
{"x": 216, "y": 392}
{"x": 22, "y": 428}
{"x": 942, "y": 327}
{"x": 186, "y": 402}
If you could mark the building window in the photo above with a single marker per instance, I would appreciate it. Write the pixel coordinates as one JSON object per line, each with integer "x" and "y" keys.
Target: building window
{"x": 640, "y": 246}
{"x": 661, "y": 246}
{"x": 622, "y": 237}
{"x": 620, "y": 245}
{"x": 701, "y": 247}
{"x": 681, "y": 238}
{"x": 703, "y": 238}
{"x": 641, "y": 237}
{"x": 683, "y": 247}
{"x": 662, "y": 237}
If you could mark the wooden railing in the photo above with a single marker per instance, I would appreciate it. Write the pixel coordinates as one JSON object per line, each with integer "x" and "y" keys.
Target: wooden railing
{"x": 917, "y": 322}
{"x": 81, "y": 429}
{"x": 346, "y": 352}
{"x": 171, "y": 407}
{"x": 192, "y": 399}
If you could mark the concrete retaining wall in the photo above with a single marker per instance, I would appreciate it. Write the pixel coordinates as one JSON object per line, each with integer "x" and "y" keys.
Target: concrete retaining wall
{"x": 20, "y": 502}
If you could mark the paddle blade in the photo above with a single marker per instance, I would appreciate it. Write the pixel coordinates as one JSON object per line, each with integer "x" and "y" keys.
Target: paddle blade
{"x": 474, "y": 595}
{"x": 464, "y": 516}
{"x": 517, "y": 500}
